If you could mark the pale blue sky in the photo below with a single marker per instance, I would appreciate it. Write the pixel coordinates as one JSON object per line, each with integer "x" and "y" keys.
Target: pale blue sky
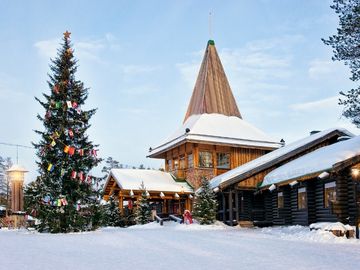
{"x": 140, "y": 59}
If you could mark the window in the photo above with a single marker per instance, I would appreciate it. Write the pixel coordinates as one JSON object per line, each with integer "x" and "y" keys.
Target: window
{"x": 302, "y": 199}
{"x": 169, "y": 164}
{"x": 329, "y": 194}
{"x": 190, "y": 161}
{"x": 182, "y": 162}
{"x": 176, "y": 164}
{"x": 223, "y": 160}
{"x": 280, "y": 200}
{"x": 205, "y": 160}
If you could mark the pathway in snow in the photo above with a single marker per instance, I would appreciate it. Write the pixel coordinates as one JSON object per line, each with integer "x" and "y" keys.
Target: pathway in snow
{"x": 175, "y": 246}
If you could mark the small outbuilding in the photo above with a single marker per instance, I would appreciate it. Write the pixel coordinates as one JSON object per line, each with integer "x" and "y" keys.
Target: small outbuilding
{"x": 166, "y": 194}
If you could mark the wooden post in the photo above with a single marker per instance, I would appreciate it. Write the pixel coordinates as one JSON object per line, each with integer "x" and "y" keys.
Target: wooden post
{"x": 121, "y": 203}
{"x": 230, "y": 209}
{"x": 237, "y": 205}
{"x": 165, "y": 210}
{"x": 214, "y": 161}
{"x": 223, "y": 206}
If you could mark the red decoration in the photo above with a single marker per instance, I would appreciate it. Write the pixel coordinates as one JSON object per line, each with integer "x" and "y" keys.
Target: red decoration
{"x": 56, "y": 89}
{"x": 81, "y": 176}
{"x": 74, "y": 105}
{"x": 73, "y": 174}
{"x": 71, "y": 133}
{"x": 81, "y": 152}
{"x": 71, "y": 150}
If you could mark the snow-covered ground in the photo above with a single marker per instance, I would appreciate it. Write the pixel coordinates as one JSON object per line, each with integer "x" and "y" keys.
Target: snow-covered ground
{"x": 176, "y": 246}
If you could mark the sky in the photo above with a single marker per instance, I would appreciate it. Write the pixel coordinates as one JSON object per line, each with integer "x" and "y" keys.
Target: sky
{"x": 140, "y": 60}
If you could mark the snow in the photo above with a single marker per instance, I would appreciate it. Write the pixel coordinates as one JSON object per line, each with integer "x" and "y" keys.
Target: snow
{"x": 218, "y": 128}
{"x": 174, "y": 246}
{"x": 324, "y": 175}
{"x": 279, "y": 154}
{"x": 331, "y": 226}
{"x": 154, "y": 180}
{"x": 317, "y": 161}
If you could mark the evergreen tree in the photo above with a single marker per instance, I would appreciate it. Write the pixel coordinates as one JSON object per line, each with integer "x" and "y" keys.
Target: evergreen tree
{"x": 112, "y": 213}
{"x": 143, "y": 211}
{"x": 5, "y": 163}
{"x": 65, "y": 197}
{"x": 205, "y": 205}
{"x": 346, "y": 45}
{"x": 110, "y": 163}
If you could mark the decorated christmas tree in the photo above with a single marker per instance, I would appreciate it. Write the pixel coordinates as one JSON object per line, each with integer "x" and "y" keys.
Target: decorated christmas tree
{"x": 143, "y": 211}
{"x": 65, "y": 197}
{"x": 205, "y": 205}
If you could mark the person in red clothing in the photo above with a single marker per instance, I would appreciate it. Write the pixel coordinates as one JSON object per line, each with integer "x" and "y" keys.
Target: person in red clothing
{"x": 187, "y": 217}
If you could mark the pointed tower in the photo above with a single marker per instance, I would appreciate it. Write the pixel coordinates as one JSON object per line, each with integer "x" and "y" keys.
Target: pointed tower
{"x": 212, "y": 92}
{"x": 213, "y": 138}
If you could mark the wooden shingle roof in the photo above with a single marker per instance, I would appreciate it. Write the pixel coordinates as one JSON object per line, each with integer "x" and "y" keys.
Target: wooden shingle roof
{"x": 212, "y": 92}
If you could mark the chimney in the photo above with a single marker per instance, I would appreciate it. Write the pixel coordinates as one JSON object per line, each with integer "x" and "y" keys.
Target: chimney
{"x": 314, "y": 132}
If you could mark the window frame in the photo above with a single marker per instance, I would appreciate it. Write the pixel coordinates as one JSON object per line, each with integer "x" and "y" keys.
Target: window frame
{"x": 280, "y": 202}
{"x": 329, "y": 186}
{"x": 302, "y": 201}
{"x": 211, "y": 161}
{"x": 222, "y": 167}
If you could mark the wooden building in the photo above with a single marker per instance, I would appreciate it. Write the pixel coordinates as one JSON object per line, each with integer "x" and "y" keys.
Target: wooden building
{"x": 213, "y": 138}
{"x": 322, "y": 186}
{"x": 240, "y": 199}
{"x": 166, "y": 195}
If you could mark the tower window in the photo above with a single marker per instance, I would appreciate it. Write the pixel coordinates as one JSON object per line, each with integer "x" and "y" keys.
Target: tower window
{"x": 205, "y": 160}
{"x": 223, "y": 160}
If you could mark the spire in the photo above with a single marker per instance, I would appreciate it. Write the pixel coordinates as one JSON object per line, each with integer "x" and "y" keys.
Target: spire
{"x": 212, "y": 92}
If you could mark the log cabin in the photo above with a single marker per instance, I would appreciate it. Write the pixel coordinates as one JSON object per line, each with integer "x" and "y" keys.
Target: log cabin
{"x": 321, "y": 186}
{"x": 240, "y": 198}
{"x": 214, "y": 138}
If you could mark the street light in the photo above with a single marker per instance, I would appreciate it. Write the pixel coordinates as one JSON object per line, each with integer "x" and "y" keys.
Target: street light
{"x": 16, "y": 175}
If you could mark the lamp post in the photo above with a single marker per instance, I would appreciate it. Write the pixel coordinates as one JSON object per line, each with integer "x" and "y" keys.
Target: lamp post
{"x": 16, "y": 175}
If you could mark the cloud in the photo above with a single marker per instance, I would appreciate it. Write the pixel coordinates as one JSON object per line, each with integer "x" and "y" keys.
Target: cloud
{"x": 320, "y": 68}
{"x": 326, "y": 103}
{"x": 258, "y": 66}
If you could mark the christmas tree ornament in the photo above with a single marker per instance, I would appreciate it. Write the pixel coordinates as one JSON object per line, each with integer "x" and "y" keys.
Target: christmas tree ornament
{"x": 67, "y": 34}
{"x": 62, "y": 172}
{"x": 58, "y": 105}
{"x": 56, "y": 89}
{"x": 69, "y": 52}
{"x": 53, "y": 143}
{"x": 68, "y": 103}
{"x": 71, "y": 150}
{"x": 81, "y": 176}
{"x": 50, "y": 168}
{"x": 71, "y": 133}
{"x": 74, "y": 105}
{"x": 73, "y": 174}
{"x": 66, "y": 149}
{"x": 81, "y": 152}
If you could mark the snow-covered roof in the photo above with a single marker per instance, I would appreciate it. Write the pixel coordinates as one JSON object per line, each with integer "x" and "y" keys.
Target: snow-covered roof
{"x": 17, "y": 167}
{"x": 318, "y": 161}
{"x": 218, "y": 128}
{"x": 277, "y": 155}
{"x": 154, "y": 180}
